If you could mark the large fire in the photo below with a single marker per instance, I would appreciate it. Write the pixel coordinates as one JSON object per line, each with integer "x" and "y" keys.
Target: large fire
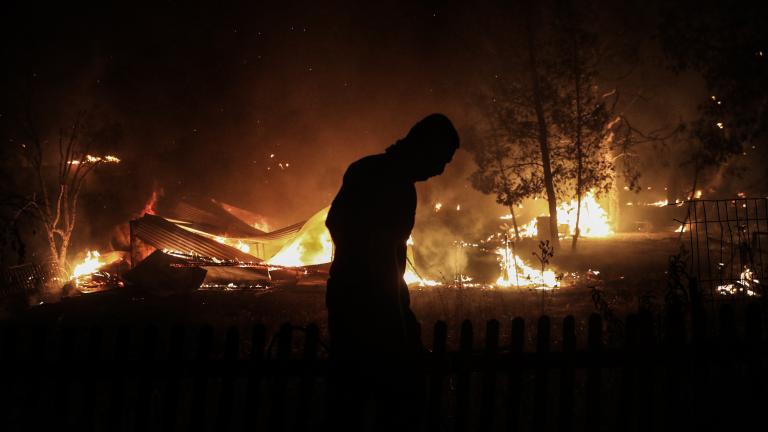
{"x": 593, "y": 221}
{"x": 311, "y": 246}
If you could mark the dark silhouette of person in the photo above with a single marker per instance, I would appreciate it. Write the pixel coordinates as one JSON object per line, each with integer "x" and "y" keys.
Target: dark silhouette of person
{"x": 375, "y": 339}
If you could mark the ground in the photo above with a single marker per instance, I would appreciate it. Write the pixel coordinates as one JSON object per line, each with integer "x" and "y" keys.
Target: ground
{"x": 629, "y": 265}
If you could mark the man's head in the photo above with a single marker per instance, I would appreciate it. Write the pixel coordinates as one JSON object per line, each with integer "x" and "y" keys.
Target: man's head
{"x": 428, "y": 147}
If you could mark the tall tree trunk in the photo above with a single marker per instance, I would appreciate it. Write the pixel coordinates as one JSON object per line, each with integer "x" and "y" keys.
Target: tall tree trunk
{"x": 506, "y": 190}
{"x": 579, "y": 151}
{"x": 514, "y": 222}
{"x": 543, "y": 133}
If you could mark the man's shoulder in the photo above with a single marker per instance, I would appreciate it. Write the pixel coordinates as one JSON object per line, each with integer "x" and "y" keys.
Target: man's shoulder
{"x": 367, "y": 166}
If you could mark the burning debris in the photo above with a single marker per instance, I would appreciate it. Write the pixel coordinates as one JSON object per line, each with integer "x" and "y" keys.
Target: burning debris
{"x": 747, "y": 284}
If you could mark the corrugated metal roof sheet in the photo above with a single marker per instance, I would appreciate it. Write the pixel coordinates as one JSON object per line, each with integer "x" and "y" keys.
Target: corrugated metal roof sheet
{"x": 282, "y": 233}
{"x": 164, "y": 234}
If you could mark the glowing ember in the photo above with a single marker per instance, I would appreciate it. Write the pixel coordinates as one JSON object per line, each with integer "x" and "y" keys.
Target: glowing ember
{"x": 515, "y": 273}
{"x": 746, "y": 284}
{"x": 89, "y": 265}
{"x": 661, "y": 203}
{"x": 94, "y": 159}
{"x": 438, "y": 206}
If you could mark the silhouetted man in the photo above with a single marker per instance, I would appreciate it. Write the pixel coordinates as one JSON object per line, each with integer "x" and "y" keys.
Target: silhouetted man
{"x": 375, "y": 337}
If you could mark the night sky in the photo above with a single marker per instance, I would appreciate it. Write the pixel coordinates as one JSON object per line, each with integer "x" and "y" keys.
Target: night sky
{"x": 200, "y": 95}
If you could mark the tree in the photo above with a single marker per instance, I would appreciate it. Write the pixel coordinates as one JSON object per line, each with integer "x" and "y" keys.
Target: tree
{"x": 728, "y": 46}
{"x": 551, "y": 129}
{"x": 53, "y": 200}
{"x": 503, "y": 168}
{"x": 583, "y": 117}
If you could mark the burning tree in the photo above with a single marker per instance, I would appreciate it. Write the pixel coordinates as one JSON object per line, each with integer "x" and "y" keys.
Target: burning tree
{"x": 583, "y": 118}
{"x": 53, "y": 201}
{"x": 518, "y": 157}
{"x": 551, "y": 129}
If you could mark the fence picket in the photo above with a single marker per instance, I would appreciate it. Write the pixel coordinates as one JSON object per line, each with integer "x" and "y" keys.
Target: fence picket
{"x": 514, "y": 377}
{"x": 567, "y": 375}
{"x": 594, "y": 347}
{"x": 437, "y": 378}
{"x": 464, "y": 377}
{"x": 226, "y": 393}
{"x": 251, "y": 410}
{"x": 307, "y": 385}
{"x": 277, "y": 399}
{"x": 144, "y": 379}
{"x": 120, "y": 352}
{"x": 175, "y": 355}
{"x": 541, "y": 392}
{"x": 489, "y": 375}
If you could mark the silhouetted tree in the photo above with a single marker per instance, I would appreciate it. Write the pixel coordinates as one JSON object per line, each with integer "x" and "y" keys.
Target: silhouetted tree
{"x": 53, "y": 198}
{"x": 728, "y": 45}
{"x": 585, "y": 119}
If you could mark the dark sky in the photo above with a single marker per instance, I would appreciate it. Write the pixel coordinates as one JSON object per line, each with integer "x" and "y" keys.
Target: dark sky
{"x": 203, "y": 94}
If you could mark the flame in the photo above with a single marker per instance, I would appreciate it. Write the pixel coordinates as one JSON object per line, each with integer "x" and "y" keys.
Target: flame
{"x": 243, "y": 247}
{"x": 411, "y": 278}
{"x": 661, "y": 203}
{"x": 94, "y": 159}
{"x": 746, "y": 284}
{"x": 89, "y": 265}
{"x": 438, "y": 206}
{"x": 593, "y": 222}
{"x": 514, "y": 272}
{"x": 311, "y": 246}
{"x": 149, "y": 207}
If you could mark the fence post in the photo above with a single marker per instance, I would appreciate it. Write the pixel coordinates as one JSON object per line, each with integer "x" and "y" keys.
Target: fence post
{"x": 255, "y": 375}
{"x": 724, "y": 370}
{"x": 306, "y": 389}
{"x": 754, "y": 385}
{"x": 626, "y": 420}
{"x": 594, "y": 346}
{"x": 120, "y": 352}
{"x": 144, "y": 379}
{"x": 280, "y": 376}
{"x": 464, "y": 377}
{"x": 514, "y": 378}
{"x": 230, "y": 364}
{"x": 567, "y": 375}
{"x": 438, "y": 375}
{"x": 175, "y": 356}
{"x": 63, "y": 379}
{"x": 202, "y": 372}
{"x": 674, "y": 345}
{"x": 541, "y": 393}
{"x": 646, "y": 372}
{"x": 489, "y": 375}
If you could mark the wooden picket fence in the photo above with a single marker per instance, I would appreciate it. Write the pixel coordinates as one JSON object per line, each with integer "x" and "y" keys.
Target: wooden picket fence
{"x": 677, "y": 376}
